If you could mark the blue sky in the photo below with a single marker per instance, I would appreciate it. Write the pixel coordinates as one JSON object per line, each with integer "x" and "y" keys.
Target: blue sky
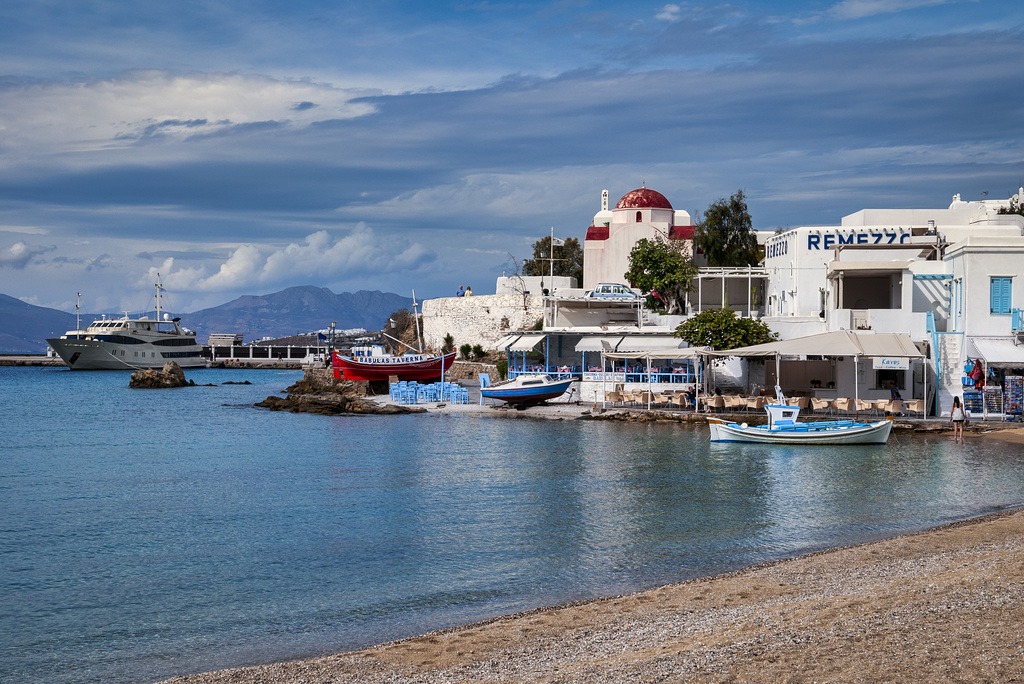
{"x": 244, "y": 147}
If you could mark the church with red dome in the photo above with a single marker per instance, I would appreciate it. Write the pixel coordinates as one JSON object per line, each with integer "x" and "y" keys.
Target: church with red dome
{"x": 640, "y": 213}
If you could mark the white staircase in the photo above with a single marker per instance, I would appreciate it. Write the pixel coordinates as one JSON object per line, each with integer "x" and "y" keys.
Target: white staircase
{"x": 950, "y": 369}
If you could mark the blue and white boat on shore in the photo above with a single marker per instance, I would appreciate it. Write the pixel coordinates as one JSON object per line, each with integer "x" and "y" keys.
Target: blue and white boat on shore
{"x": 524, "y": 390}
{"x": 784, "y": 428}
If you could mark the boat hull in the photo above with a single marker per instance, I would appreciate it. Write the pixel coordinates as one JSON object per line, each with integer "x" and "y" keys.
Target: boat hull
{"x": 92, "y": 354}
{"x": 526, "y": 395}
{"x": 376, "y": 368}
{"x": 826, "y": 433}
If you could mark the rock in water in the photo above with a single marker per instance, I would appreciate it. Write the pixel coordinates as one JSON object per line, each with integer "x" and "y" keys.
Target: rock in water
{"x": 170, "y": 376}
{"x": 319, "y": 392}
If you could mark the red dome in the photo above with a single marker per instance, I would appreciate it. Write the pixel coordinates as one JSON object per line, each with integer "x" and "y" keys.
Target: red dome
{"x": 643, "y": 198}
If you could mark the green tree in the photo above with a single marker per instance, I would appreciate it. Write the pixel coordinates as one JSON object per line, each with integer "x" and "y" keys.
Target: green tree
{"x": 663, "y": 268}
{"x": 568, "y": 259}
{"x": 726, "y": 235}
{"x": 721, "y": 329}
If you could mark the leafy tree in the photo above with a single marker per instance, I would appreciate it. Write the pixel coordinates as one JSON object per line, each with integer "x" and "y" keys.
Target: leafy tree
{"x": 664, "y": 269}
{"x": 568, "y": 259}
{"x": 449, "y": 344}
{"x": 721, "y": 329}
{"x": 726, "y": 235}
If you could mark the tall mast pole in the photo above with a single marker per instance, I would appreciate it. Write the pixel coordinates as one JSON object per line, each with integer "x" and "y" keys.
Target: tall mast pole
{"x": 416, "y": 322}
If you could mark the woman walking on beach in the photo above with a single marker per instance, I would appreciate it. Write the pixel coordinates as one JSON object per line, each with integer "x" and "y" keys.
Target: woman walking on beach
{"x": 956, "y": 416}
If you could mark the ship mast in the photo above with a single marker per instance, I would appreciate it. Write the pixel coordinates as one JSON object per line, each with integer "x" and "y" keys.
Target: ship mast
{"x": 159, "y": 290}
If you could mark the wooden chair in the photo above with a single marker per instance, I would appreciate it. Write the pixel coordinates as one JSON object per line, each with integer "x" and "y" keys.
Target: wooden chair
{"x": 914, "y": 406}
{"x": 613, "y": 397}
{"x": 680, "y": 399}
{"x": 895, "y": 407}
{"x": 716, "y": 402}
{"x": 843, "y": 404}
{"x": 820, "y": 404}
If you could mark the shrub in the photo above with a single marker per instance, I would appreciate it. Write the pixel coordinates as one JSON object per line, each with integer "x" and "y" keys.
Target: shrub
{"x": 478, "y": 351}
{"x": 464, "y": 351}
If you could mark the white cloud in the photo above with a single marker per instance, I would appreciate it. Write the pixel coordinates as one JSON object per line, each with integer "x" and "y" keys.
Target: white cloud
{"x": 60, "y": 118}
{"x": 669, "y": 13}
{"x": 858, "y": 9}
{"x": 24, "y": 230}
{"x": 19, "y": 254}
{"x": 320, "y": 256}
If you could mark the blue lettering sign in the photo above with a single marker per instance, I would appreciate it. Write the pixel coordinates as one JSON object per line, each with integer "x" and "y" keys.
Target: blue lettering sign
{"x": 812, "y": 241}
{"x": 862, "y": 238}
{"x": 829, "y": 241}
{"x": 846, "y": 239}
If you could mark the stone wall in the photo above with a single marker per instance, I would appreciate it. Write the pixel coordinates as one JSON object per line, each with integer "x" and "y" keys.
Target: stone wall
{"x": 480, "y": 319}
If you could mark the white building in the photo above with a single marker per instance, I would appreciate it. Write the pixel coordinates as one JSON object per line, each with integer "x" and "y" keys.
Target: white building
{"x": 641, "y": 213}
{"x": 949, "y": 278}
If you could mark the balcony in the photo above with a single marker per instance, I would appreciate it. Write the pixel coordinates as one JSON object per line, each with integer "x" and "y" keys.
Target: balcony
{"x": 880, "y": 321}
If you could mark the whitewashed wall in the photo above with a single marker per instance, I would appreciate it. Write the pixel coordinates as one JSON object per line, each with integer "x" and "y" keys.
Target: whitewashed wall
{"x": 480, "y": 319}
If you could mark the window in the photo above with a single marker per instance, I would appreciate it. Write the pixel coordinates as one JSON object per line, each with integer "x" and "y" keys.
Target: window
{"x": 884, "y": 376}
{"x": 639, "y": 216}
{"x": 999, "y": 294}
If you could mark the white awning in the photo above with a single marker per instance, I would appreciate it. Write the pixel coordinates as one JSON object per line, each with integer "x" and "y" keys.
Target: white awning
{"x": 998, "y": 352}
{"x": 648, "y": 343}
{"x": 592, "y": 343}
{"x": 505, "y": 341}
{"x": 526, "y": 342}
{"x": 662, "y": 354}
{"x": 838, "y": 343}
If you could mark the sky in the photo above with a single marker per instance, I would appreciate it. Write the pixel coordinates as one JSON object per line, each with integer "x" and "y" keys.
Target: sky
{"x": 244, "y": 147}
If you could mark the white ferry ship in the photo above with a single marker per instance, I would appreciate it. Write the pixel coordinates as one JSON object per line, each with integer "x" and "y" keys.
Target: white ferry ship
{"x": 130, "y": 343}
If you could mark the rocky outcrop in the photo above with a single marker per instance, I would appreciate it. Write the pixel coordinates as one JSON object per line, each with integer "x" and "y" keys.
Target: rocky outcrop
{"x": 319, "y": 392}
{"x": 170, "y": 376}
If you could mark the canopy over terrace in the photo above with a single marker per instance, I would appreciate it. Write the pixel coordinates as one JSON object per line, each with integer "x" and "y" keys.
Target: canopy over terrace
{"x": 669, "y": 354}
{"x": 837, "y": 343}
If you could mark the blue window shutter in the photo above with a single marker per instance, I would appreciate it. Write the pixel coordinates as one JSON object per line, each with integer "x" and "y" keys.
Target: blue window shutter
{"x": 999, "y": 295}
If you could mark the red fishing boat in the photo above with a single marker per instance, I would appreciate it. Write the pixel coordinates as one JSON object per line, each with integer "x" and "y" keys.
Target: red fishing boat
{"x": 373, "y": 363}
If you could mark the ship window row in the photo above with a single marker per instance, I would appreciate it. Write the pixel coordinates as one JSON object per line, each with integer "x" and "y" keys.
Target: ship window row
{"x": 120, "y": 339}
{"x": 176, "y": 342}
{"x": 180, "y": 355}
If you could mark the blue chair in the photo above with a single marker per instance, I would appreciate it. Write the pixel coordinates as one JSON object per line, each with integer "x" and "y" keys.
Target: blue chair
{"x": 485, "y": 381}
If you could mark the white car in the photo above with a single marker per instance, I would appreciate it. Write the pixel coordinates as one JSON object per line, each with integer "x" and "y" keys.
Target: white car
{"x": 612, "y": 291}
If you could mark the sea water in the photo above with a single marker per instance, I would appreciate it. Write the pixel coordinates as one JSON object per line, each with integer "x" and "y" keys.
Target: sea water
{"x": 148, "y": 533}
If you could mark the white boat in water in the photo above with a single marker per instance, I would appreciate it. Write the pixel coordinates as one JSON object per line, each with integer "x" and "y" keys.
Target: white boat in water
{"x": 784, "y": 428}
{"x": 130, "y": 343}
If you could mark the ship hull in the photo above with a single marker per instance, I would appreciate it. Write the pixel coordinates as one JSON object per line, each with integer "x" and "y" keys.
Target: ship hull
{"x": 376, "y": 368}
{"x": 91, "y": 354}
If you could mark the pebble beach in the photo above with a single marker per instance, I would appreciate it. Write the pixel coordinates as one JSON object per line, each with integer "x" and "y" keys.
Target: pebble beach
{"x": 943, "y": 605}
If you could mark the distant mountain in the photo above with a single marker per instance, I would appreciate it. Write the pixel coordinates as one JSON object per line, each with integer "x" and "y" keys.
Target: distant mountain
{"x": 296, "y": 310}
{"x": 24, "y": 327}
